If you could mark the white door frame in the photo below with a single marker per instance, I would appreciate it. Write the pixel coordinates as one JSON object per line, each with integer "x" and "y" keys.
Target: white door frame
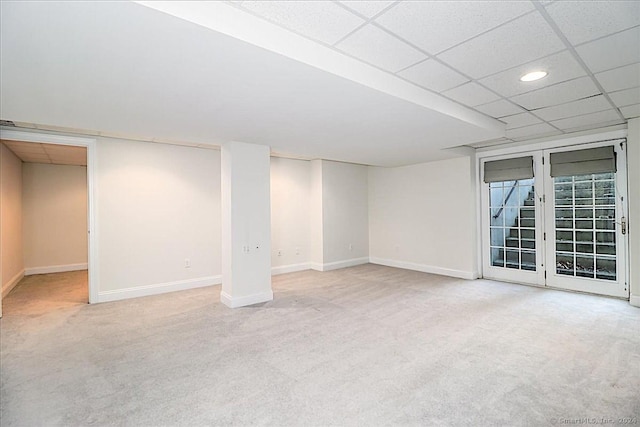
{"x": 622, "y": 260}
{"x": 515, "y": 149}
{"x": 534, "y": 278}
{"x": 92, "y": 224}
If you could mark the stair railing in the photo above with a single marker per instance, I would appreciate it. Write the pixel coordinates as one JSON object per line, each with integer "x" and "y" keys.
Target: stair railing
{"x": 513, "y": 188}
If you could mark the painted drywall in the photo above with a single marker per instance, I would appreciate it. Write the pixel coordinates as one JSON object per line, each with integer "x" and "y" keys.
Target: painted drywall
{"x": 290, "y": 214}
{"x": 246, "y": 224}
{"x": 11, "y": 242}
{"x": 54, "y": 201}
{"x": 422, "y": 217}
{"x": 633, "y": 163}
{"x": 345, "y": 213}
{"x": 157, "y": 205}
{"x": 315, "y": 216}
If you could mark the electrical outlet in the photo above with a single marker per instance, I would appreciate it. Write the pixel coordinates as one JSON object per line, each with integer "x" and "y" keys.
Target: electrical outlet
{"x": 187, "y": 263}
{"x": 279, "y": 252}
{"x": 297, "y": 251}
{"x": 350, "y": 247}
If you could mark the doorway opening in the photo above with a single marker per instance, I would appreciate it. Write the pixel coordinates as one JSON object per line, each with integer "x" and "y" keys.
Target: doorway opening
{"x": 557, "y": 218}
{"x": 47, "y": 216}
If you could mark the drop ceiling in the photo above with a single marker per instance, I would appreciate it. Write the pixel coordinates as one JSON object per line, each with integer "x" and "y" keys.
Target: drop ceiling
{"x": 384, "y": 83}
{"x": 30, "y": 152}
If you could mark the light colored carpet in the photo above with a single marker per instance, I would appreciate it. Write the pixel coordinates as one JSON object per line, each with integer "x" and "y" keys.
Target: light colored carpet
{"x": 367, "y": 345}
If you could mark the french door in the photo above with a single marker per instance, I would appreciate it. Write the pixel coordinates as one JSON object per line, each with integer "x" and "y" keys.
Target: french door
{"x": 557, "y": 218}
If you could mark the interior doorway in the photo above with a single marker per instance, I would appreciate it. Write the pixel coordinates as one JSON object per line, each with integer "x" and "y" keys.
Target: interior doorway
{"x": 57, "y": 246}
{"x": 557, "y": 218}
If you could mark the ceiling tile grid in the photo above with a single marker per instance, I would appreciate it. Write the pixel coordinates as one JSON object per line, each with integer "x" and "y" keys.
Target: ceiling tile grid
{"x": 30, "y": 152}
{"x": 474, "y": 52}
{"x": 500, "y": 108}
{"x": 433, "y": 75}
{"x": 594, "y": 19}
{"x": 571, "y": 90}
{"x": 322, "y": 21}
{"x": 367, "y": 8}
{"x": 520, "y": 41}
{"x": 379, "y": 48}
{"x": 437, "y": 26}
{"x": 471, "y": 94}
{"x": 520, "y": 120}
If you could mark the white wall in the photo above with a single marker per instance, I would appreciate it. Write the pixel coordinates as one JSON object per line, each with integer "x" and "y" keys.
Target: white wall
{"x": 157, "y": 205}
{"x": 345, "y": 213}
{"x": 633, "y": 163}
{"x": 290, "y": 214}
{"x": 315, "y": 216}
{"x": 422, "y": 217}
{"x": 55, "y": 216}
{"x": 11, "y": 244}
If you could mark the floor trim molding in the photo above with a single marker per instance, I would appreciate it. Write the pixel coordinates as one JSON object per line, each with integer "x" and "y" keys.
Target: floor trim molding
{"x": 235, "y": 302}
{"x": 339, "y": 264}
{"x": 291, "y": 268}
{"x": 8, "y": 287}
{"x": 55, "y": 269}
{"x": 158, "y": 288}
{"x": 461, "y": 274}
{"x": 634, "y": 300}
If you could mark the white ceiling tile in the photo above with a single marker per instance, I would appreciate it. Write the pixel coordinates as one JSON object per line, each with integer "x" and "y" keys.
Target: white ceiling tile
{"x": 379, "y": 48}
{"x": 367, "y": 8}
{"x": 499, "y": 108}
{"x": 24, "y": 147}
{"x": 626, "y": 97}
{"x": 471, "y": 94}
{"x": 538, "y": 130}
{"x": 320, "y": 20}
{"x": 520, "y": 120}
{"x": 436, "y": 26}
{"x": 561, "y": 67}
{"x": 620, "y": 78}
{"x": 433, "y": 75}
{"x": 613, "y": 51}
{"x": 630, "y": 111}
{"x": 64, "y": 149}
{"x": 592, "y": 120}
{"x": 34, "y": 158}
{"x": 582, "y": 21}
{"x": 575, "y": 108}
{"x": 557, "y": 94}
{"x": 518, "y": 42}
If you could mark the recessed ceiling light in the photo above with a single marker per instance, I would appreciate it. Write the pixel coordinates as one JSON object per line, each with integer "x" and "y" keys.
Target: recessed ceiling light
{"x": 532, "y": 76}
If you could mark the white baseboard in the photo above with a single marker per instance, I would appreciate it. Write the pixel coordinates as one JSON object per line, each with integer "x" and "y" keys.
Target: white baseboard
{"x": 315, "y": 266}
{"x": 634, "y": 300}
{"x": 7, "y": 287}
{"x": 291, "y": 268}
{"x": 338, "y": 264}
{"x": 54, "y": 269}
{"x": 158, "y": 288}
{"x": 461, "y": 274}
{"x": 236, "y": 302}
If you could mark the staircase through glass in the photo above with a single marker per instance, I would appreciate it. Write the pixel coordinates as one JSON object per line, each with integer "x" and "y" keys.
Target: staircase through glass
{"x": 513, "y": 222}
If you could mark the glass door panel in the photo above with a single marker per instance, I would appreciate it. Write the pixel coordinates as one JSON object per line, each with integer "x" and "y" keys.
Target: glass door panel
{"x": 562, "y": 231}
{"x": 511, "y": 230}
{"x": 585, "y": 248}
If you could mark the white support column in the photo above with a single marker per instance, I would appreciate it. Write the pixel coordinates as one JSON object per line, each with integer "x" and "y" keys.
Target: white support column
{"x": 246, "y": 225}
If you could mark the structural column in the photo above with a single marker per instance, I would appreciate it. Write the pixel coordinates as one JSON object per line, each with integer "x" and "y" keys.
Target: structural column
{"x": 246, "y": 225}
